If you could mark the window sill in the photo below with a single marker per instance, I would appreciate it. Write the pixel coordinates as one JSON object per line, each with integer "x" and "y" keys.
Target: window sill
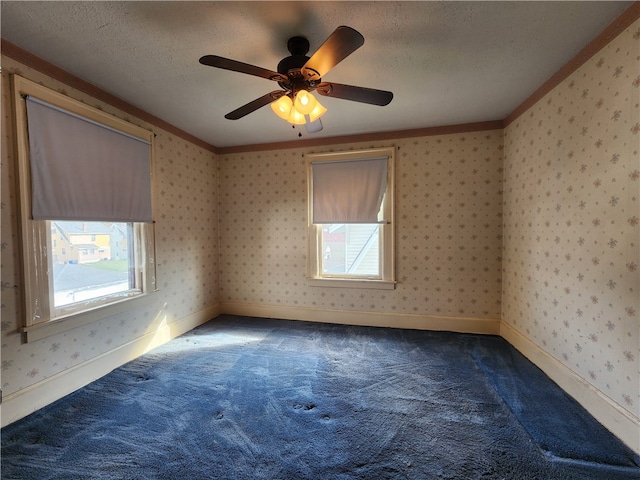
{"x": 348, "y": 283}
{"x": 60, "y": 325}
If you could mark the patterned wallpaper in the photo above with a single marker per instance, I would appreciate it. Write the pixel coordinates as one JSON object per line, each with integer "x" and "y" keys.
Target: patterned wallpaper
{"x": 572, "y": 221}
{"x": 186, "y": 252}
{"x": 448, "y": 229}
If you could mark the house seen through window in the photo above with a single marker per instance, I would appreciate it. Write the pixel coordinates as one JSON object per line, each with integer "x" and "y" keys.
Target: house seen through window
{"x": 351, "y": 249}
{"x": 90, "y": 260}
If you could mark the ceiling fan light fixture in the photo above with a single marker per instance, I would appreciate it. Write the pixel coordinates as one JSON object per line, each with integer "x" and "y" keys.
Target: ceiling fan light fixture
{"x": 288, "y": 110}
{"x": 305, "y": 102}
{"x": 318, "y": 111}
{"x": 296, "y": 118}
{"x": 282, "y": 107}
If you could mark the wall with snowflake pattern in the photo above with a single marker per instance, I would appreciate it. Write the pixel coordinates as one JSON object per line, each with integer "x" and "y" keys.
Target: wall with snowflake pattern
{"x": 571, "y": 221}
{"x": 186, "y": 252}
{"x": 448, "y": 229}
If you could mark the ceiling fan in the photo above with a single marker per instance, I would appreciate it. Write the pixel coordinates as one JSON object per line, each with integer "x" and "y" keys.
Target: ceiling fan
{"x": 300, "y": 73}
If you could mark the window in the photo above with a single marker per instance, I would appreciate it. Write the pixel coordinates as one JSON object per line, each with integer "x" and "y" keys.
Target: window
{"x": 351, "y": 225}
{"x": 85, "y": 210}
{"x": 93, "y": 277}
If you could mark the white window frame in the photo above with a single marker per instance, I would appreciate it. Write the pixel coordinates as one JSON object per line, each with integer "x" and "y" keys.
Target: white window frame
{"x": 41, "y": 319}
{"x": 386, "y": 280}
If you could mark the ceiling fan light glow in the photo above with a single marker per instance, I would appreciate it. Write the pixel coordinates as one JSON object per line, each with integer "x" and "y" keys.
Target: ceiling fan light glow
{"x": 305, "y": 102}
{"x": 288, "y": 110}
{"x": 282, "y": 107}
{"x": 296, "y": 118}
{"x": 318, "y": 111}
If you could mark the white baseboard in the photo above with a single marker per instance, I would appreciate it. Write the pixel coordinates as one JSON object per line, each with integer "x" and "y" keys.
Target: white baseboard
{"x": 617, "y": 420}
{"x": 370, "y": 319}
{"x": 28, "y": 400}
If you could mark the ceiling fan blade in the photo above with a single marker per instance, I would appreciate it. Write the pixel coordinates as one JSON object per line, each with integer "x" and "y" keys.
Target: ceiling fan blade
{"x": 340, "y": 44}
{"x": 255, "y": 105}
{"x": 356, "y": 94}
{"x": 235, "y": 66}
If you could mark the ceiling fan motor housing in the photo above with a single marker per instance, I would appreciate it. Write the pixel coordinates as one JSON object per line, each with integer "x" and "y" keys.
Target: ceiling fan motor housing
{"x": 291, "y": 66}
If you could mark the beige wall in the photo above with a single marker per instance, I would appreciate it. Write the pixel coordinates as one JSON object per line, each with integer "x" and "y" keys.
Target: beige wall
{"x": 448, "y": 233}
{"x": 186, "y": 256}
{"x": 571, "y": 223}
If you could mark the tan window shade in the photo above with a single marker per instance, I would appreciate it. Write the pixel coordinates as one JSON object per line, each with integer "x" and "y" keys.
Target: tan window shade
{"x": 83, "y": 170}
{"x": 348, "y": 191}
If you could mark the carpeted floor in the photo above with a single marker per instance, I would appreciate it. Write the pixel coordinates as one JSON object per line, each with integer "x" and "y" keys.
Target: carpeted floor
{"x": 242, "y": 398}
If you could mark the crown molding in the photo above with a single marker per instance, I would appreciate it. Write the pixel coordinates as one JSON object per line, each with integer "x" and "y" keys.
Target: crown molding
{"x": 32, "y": 61}
{"x": 614, "y": 29}
{"x": 365, "y": 137}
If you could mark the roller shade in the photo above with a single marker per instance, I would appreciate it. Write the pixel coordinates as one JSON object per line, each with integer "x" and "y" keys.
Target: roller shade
{"x": 348, "y": 191}
{"x": 84, "y": 170}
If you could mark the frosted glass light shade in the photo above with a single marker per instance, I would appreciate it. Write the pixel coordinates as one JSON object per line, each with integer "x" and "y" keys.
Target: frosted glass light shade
{"x": 296, "y": 118}
{"x": 317, "y": 112}
{"x": 282, "y": 107}
{"x": 305, "y": 102}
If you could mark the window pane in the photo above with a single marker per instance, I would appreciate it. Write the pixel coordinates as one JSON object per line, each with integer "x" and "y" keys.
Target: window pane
{"x": 351, "y": 249}
{"x": 90, "y": 260}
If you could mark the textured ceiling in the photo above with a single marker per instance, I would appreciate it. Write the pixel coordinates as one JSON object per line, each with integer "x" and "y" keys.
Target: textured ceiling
{"x": 446, "y": 62}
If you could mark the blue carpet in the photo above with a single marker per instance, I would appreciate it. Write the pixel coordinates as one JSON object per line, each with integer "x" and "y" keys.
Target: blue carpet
{"x": 556, "y": 422}
{"x": 242, "y": 398}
